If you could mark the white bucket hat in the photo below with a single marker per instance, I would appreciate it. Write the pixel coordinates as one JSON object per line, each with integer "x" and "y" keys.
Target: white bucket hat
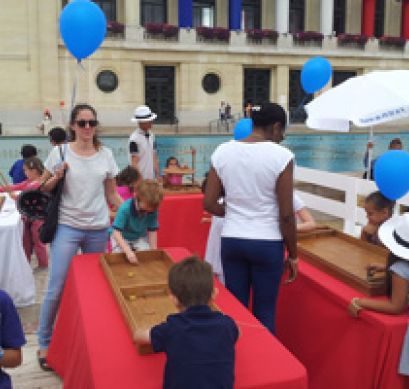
{"x": 143, "y": 114}
{"x": 394, "y": 234}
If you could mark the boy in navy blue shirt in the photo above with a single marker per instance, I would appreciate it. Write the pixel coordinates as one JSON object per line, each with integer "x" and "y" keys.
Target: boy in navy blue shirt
{"x": 199, "y": 343}
{"x": 11, "y": 338}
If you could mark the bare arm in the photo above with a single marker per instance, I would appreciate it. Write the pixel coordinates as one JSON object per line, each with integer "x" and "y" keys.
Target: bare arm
{"x": 123, "y": 244}
{"x": 111, "y": 194}
{"x": 284, "y": 190}
{"x": 50, "y": 180}
{"x": 153, "y": 239}
{"x": 395, "y": 305}
{"x": 11, "y": 358}
{"x": 214, "y": 190}
{"x": 307, "y": 222}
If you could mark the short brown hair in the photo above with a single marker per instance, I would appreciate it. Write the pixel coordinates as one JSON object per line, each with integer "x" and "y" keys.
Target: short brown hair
{"x": 151, "y": 192}
{"x": 380, "y": 202}
{"x": 191, "y": 282}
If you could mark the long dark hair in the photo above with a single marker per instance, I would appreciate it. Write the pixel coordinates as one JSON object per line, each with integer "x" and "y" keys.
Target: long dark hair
{"x": 74, "y": 113}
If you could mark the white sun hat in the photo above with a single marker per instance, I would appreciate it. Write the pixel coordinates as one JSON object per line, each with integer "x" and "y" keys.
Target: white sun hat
{"x": 143, "y": 114}
{"x": 394, "y": 234}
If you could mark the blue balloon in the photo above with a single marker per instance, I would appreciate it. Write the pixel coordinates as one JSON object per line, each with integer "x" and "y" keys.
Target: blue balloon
{"x": 391, "y": 172}
{"x": 243, "y": 128}
{"x": 315, "y": 74}
{"x": 83, "y": 27}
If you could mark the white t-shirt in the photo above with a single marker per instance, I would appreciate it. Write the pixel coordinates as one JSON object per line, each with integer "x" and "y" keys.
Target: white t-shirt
{"x": 83, "y": 204}
{"x": 249, "y": 172}
{"x": 144, "y": 147}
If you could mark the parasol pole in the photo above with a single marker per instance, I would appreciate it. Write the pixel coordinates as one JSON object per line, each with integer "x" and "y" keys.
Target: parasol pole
{"x": 370, "y": 150}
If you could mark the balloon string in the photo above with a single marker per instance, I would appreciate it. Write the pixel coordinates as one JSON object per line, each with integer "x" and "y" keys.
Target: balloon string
{"x": 75, "y": 83}
{"x": 301, "y": 105}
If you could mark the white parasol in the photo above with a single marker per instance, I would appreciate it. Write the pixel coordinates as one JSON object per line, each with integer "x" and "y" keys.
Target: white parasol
{"x": 374, "y": 98}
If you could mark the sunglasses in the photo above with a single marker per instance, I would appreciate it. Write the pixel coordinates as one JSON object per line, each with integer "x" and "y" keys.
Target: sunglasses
{"x": 83, "y": 123}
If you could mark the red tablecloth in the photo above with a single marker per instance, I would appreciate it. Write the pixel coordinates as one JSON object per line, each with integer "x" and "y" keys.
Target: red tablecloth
{"x": 338, "y": 350}
{"x": 92, "y": 347}
{"x": 179, "y": 223}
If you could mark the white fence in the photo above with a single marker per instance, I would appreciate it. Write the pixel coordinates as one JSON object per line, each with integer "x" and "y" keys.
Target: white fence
{"x": 349, "y": 211}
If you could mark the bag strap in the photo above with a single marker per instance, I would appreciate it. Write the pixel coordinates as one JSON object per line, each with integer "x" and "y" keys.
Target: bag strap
{"x": 62, "y": 156}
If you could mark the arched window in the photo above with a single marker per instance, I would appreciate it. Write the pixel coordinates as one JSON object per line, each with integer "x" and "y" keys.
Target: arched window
{"x": 251, "y": 14}
{"x": 379, "y": 17}
{"x": 339, "y": 16}
{"x": 108, "y": 7}
{"x": 297, "y": 11}
{"x": 153, "y": 11}
{"x": 204, "y": 13}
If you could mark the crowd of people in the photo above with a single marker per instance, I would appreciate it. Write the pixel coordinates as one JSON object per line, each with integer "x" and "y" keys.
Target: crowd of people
{"x": 254, "y": 215}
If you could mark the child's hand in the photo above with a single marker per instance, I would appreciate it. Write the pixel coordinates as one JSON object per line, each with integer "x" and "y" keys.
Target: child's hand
{"x": 130, "y": 255}
{"x": 354, "y": 307}
{"x": 370, "y": 229}
{"x": 375, "y": 268}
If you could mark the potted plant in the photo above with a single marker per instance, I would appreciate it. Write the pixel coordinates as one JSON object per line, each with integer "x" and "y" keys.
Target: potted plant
{"x": 169, "y": 30}
{"x": 308, "y": 36}
{"x": 352, "y": 39}
{"x": 154, "y": 28}
{"x": 221, "y": 33}
{"x": 255, "y": 34}
{"x": 115, "y": 27}
{"x": 270, "y": 34}
{"x": 392, "y": 41}
{"x": 205, "y": 32}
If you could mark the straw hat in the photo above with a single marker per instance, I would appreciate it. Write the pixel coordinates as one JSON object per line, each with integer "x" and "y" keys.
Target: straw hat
{"x": 143, "y": 114}
{"x": 394, "y": 234}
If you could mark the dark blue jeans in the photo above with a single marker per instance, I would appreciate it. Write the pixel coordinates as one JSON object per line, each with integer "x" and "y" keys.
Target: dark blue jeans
{"x": 255, "y": 264}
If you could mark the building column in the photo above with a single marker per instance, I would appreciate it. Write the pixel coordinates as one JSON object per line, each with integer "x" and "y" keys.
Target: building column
{"x": 353, "y": 17}
{"x": 405, "y": 19}
{"x": 282, "y": 16}
{"x": 282, "y": 85}
{"x": 132, "y": 12}
{"x": 327, "y": 17}
{"x": 368, "y": 17}
{"x": 185, "y": 13}
{"x": 235, "y": 14}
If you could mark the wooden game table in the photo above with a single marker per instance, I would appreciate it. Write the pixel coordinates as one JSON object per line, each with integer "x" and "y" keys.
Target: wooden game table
{"x": 92, "y": 347}
{"x": 338, "y": 350}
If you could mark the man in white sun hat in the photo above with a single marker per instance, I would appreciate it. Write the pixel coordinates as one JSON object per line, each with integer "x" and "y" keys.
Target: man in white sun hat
{"x": 394, "y": 234}
{"x": 142, "y": 145}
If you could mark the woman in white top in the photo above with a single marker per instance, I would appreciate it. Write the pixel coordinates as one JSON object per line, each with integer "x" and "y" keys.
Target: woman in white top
{"x": 83, "y": 211}
{"x": 256, "y": 175}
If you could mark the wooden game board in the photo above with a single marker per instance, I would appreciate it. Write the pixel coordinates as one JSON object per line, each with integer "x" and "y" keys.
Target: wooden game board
{"x": 141, "y": 290}
{"x": 344, "y": 257}
{"x": 2, "y": 200}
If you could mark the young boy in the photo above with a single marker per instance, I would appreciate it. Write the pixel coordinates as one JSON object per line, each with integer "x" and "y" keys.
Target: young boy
{"x": 199, "y": 343}
{"x": 11, "y": 338}
{"x": 136, "y": 221}
{"x": 378, "y": 209}
{"x": 16, "y": 171}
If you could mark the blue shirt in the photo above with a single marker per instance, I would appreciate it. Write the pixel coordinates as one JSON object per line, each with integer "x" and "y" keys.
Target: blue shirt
{"x": 11, "y": 332}
{"x": 199, "y": 345}
{"x": 17, "y": 173}
{"x": 132, "y": 223}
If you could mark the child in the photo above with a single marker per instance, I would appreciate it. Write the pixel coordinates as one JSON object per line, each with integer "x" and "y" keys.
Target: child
{"x": 11, "y": 338}
{"x": 172, "y": 178}
{"x": 16, "y": 172}
{"x": 378, "y": 209}
{"x": 305, "y": 221}
{"x": 33, "y": 169}
{"x": 394, "y": 234}
{"x": 136, "y": 221}
{"x": 57, "y": 136}
{"x": 198, "y": 342}
{"x": 126, "y": 182}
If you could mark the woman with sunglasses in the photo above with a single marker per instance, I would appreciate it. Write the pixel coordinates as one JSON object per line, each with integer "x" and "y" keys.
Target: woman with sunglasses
{"x": 83, "y": 219}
